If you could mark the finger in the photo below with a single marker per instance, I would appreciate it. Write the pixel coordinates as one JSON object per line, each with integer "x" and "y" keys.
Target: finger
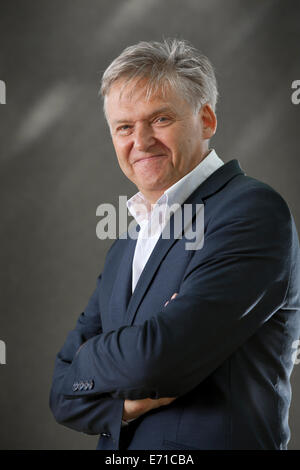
{"x": 173, "y": 297}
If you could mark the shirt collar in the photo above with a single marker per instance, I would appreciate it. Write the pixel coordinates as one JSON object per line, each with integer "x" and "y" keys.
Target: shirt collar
{"x": 140, "y": 208}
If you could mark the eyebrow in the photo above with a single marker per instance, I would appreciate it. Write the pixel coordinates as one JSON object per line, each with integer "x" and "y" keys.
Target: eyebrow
{"x": 157, "y": 111}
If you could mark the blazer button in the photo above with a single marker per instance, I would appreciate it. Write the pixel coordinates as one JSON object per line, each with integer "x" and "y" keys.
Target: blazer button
{"x": 86, "y": 386}
{"x": 91, "y": 384}
{"x": 105, "y": 434}
{"x": 81, "y": 386}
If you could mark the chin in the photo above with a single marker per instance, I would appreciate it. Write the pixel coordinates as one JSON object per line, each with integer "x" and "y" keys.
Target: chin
{"x": 155, "y": 185}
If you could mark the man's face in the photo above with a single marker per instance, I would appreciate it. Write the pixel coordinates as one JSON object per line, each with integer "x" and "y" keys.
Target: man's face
{"x": 159, "y": 141}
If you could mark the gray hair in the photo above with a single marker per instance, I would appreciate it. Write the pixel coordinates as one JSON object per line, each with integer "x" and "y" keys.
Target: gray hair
{"x": 172, "y": 63}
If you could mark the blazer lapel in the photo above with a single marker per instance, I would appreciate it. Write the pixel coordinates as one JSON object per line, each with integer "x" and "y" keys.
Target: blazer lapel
{"x": 160, "y": 250}
{"x": 122, "y": 288}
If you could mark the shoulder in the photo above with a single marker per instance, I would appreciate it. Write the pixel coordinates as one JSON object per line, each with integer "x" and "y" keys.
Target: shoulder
{"x": 245, "y": 195}
{"x": 249, "y": 209}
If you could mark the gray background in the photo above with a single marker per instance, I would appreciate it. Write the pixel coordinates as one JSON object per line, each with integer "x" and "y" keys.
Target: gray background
{"x": 58, "y": 163}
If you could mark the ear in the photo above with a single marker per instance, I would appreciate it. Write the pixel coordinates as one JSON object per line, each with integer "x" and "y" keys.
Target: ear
{"x": 209, "y": 121}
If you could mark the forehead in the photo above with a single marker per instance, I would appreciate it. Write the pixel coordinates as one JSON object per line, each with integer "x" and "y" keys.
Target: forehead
{"x": 130, "y": 101}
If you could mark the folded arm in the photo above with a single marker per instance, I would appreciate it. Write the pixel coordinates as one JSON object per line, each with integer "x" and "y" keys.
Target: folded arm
{"x": 231, "y": 287}
{"x": 89, "y": 414}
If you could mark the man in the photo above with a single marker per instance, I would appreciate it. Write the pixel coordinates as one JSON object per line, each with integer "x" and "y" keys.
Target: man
{"x": 183, "y": 348}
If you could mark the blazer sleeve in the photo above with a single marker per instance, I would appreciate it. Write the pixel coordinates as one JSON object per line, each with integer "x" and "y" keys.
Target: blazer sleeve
{"x": 232, "y": 286}
{"x": 89, "y": 414}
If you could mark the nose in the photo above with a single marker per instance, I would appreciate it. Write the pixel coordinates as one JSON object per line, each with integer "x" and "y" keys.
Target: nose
{"x": 143, "y": 137}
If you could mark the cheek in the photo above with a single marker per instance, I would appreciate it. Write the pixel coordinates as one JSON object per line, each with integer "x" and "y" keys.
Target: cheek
{"x": 122, "y": 150}
{"x": 168, "y": 140}
{"x": 188, "y": 139}
{"x": 177, "y": 145}
{"x": 123, "y": 155}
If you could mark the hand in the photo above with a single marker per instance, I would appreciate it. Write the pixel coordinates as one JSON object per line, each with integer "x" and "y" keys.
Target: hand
{"x": 135, "y": 408}
{"x": 173, "y": 297}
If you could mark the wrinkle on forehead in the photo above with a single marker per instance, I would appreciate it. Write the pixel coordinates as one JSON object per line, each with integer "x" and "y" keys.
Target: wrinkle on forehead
{"x": 131, "y": 93}
{"x": 133, "y": 88}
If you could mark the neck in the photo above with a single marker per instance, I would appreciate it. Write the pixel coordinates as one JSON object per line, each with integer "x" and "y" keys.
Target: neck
{"x": 153, "y": 196}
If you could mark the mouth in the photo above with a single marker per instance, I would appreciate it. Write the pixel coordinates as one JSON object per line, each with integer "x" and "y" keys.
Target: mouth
{"x": 150, "y": 157}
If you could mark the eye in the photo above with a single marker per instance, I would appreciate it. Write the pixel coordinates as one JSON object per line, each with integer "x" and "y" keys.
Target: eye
{"x": 124, "y": 130}
{"x": 162, "y": 120}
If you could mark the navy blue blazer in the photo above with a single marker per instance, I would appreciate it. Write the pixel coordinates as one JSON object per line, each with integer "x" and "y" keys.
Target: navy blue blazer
{"x": 223, "y": 347}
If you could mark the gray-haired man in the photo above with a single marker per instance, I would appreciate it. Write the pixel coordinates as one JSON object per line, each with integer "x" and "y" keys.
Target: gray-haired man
{"x": 193, "y": 347}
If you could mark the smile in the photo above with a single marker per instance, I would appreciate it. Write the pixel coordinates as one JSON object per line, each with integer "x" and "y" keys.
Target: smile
{"x": 151, "y": 157}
